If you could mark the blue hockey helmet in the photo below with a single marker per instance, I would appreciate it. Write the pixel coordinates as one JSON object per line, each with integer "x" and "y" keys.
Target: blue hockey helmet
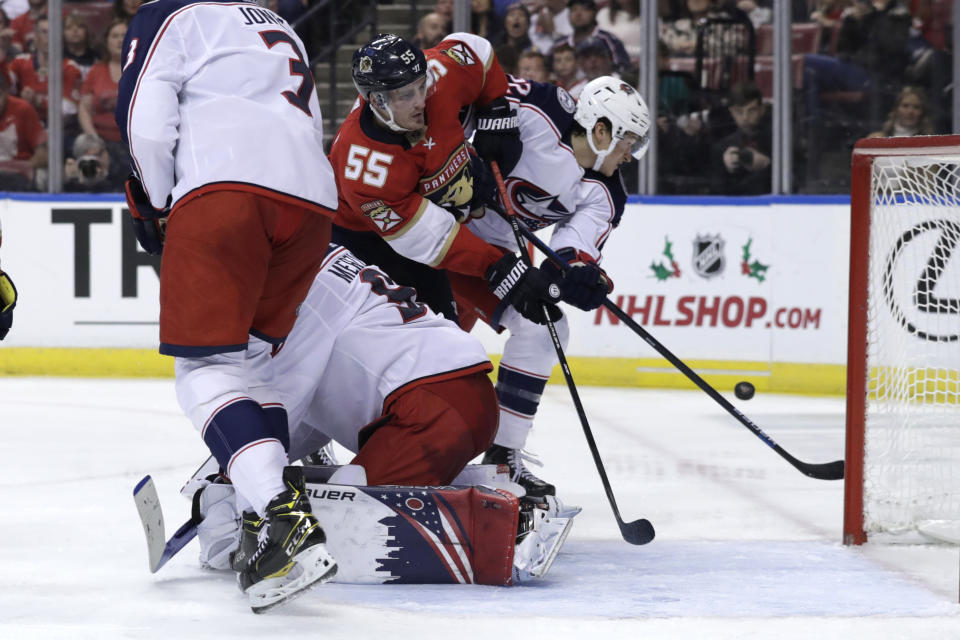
{"x": 387, "y": 63}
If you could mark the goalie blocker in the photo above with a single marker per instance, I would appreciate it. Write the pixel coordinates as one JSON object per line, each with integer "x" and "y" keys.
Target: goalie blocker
{"x": 474, "y": 534}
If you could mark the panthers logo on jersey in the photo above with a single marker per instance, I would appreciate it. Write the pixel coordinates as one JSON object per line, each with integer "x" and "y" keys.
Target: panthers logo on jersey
{"x": 452, "y": 185}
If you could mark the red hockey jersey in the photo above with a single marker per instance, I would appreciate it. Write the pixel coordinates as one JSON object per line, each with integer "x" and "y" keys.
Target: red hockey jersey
{"x": 398, "y": 184}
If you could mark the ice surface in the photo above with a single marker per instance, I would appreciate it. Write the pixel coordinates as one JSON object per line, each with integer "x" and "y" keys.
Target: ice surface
{"x": 747, "y": 547}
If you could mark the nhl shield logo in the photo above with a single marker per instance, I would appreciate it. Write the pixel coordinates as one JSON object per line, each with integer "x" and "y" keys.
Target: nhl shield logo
{"x": 708, "y": 258}
{"x": 366, "y": 64}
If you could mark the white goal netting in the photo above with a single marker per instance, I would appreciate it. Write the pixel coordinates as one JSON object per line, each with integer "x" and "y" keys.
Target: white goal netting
{"x": 912, "y": 429}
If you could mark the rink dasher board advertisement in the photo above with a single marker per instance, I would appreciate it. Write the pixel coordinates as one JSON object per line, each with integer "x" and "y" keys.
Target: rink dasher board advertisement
{"x": 721, "y": 284}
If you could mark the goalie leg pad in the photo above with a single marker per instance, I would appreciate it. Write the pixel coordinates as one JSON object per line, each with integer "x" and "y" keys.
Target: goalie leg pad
{"x": 418, "y": 535}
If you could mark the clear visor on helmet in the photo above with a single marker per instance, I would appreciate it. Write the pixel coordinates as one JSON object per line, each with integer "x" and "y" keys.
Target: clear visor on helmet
{"x": 637, "y": 144}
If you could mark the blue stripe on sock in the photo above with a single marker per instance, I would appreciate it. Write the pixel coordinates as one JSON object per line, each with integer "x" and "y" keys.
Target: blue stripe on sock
{"x": 519, "y": 392}
{"x": 235, "y": 426}
{"x": 277, "y": 419}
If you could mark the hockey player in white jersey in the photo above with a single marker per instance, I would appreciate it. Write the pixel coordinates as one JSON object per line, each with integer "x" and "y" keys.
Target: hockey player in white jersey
{"x": 370, "y": 366}
{"x": 407, "y": 391}
{"x": 218, "y": 107}
{"x": 568, "y": 177}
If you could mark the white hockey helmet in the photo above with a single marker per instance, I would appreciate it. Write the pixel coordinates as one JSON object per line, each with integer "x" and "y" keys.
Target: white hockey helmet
{"x": 613, "y": 99}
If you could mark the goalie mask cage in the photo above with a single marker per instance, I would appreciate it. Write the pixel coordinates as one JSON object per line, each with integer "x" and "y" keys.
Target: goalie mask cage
{"x": 903, "y": 351}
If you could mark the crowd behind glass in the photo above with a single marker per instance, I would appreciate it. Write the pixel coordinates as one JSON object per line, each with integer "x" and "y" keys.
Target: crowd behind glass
{"x": 859, "y": 68}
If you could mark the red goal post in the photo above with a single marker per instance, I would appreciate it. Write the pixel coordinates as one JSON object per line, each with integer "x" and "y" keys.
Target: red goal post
{"x": 903, "y": 350}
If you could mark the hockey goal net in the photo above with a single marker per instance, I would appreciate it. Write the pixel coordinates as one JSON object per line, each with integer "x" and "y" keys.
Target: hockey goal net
{"x": 903, "y": 353}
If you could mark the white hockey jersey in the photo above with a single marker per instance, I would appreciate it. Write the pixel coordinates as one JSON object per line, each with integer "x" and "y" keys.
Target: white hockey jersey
{"x": 548, "y": 186}
{"x": 220, "y": 94}
{"x": 358, "y": 340}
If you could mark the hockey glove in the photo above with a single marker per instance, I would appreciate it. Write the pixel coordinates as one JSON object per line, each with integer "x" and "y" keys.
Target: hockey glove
{"x": 584, "y": 285}
{"x": 498, "y": 135}
{"x": 149, "y": 223}
{"x": 526, "y": 288}
{"x": 8, "y": 300}
{"x": 484, "y": 185}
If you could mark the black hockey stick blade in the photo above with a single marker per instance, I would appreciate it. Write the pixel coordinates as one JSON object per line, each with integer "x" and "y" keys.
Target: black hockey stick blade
{"x": 637, "y": 532}
{"x": 822, "y": 471}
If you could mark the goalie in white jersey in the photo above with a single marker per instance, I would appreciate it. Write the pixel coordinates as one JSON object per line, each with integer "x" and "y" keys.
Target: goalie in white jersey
{"x": 370, "y": 366}
{"x": 217, "y": 104}
{"x": 373, "y": 368}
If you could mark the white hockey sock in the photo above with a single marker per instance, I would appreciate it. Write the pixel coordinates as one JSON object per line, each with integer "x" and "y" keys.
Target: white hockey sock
{"x": 513, "y": 429}
{"x": 257, "y": 473}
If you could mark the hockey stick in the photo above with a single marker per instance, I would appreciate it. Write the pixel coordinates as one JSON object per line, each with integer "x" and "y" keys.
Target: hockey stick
{"x": 822, "y": 471}
{"x": 636, "y": 532}
{"x": 151, "y": 516}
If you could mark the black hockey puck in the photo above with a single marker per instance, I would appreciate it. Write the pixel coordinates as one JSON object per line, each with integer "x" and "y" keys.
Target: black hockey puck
{"x": 744, "y": 390}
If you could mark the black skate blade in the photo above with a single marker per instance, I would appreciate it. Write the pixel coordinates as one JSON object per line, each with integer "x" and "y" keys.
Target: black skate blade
{"x": 326, "y": 577}
{"x": 637, "y": 532}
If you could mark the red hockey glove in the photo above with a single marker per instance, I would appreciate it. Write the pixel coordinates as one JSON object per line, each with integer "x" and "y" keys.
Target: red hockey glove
{"x": 149, "y": 223}
{"x": 584, "y": 285}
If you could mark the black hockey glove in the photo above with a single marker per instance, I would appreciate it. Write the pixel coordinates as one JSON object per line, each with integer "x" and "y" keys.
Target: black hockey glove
{"x": 484, "y": 185}
{"x": 498, "y": 135}
{"x": 584, "y": 285}
{"x": 526, "y": 288}
{"x": 149, "y": 223}
{"x": 8, "y": 300}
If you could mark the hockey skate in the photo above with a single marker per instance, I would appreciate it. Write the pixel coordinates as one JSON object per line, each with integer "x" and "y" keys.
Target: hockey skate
{"x": 250, "y": 526}
{"x": 543, "y": 527}
{"x": 514, "y": 459}
{"x": 290, "y": 556}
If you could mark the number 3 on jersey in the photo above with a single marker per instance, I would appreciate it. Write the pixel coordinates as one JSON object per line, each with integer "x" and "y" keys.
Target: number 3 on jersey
{"x": 301, "y": 98}
{"x": 368, "y": 166}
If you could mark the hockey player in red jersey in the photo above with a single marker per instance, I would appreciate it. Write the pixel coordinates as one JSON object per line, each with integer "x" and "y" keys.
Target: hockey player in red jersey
{"x": 224, "y": 129}
{"x": 408, "y": 182}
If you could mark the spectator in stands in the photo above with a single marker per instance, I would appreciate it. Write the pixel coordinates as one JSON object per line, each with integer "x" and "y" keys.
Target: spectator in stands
{"x": 874, "y": 37}
{"x": 532, "y": 65}
{"x": 445, "y": 9}
{"x": 759, "y": 11}
{"x": 594, "y": 60}
{"x": 22, "y": 138}
{"x": 431, "y": 29}
{"x": 91, "y": 169}
{"x": 77, "y": 42}
{"x": 678, "y": 29}
{"x": 8, "y": 50}
{"x": 742, "y": 159}
{"x": 583, "y": 19}
{"x": 622, "y": 19}
{"x": 14, "y": 8}
{"x": 550, "y": 23}
{"x": 98, "y": 95}
{"x": 30, "y": 71}
{"x": 485, "y": 22}
{"x": 565, "y": 71}
{"x": 829, "y": 15}
{"x": 516, "y": 27}
{"x": 908, "y": 117}
{"x": 508, "y": 58}
{"x": 125, "y": 9}
{"x": 23, "y": 25}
